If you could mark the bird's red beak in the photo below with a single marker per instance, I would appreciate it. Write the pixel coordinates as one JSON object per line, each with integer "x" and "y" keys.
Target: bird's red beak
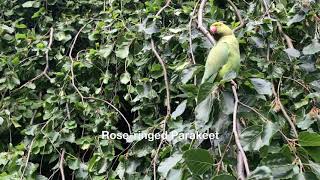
{"x": 213, "y": 29}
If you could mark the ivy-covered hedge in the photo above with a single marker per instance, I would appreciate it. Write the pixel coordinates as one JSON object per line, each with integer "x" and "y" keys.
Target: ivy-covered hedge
{"x": 71, "y": 69}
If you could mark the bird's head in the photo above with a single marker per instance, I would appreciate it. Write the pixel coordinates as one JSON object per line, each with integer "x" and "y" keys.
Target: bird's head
{"x": 218, "y": 29}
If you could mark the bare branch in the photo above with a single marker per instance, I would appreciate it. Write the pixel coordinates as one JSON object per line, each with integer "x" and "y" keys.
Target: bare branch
{"x": 163, "y": 8}
{"x": 235, "y": 130}
{"x": 200, "y": 22}
{"x": 284, "y": 112}
{"x": 220, "y": 163}
{"x": 164, "y": 69}
{"x": 285, "y": 36}
{"x": 167, "y": 103}
{"x": 45, "y": 70}
{"x": 61, "y": 164}
{"x": 190, "y": 32}
{"x": 72, "y": 60}
{"x": 236, "y": 10}
{"x": 27, "y": 160}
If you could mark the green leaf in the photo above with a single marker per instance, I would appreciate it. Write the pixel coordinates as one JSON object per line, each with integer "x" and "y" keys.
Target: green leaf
{"x": 255, "y": 137}
{"x": 169, "y": 163}
{"x": 73, "y": 163}
{"x": 125, "y": 78}
{"x": 62, "y": 36}
{"x": 105, "y": 51}
{"x": 314, "y": 153}
{"x": 315, "y": 168}
{"x": 262, "y": 86}
{"x": 123, "y": 51}
{"x": 261, "y": 172}
{"x": 292, "y": 52}
{"x": 304, "y": 176}
{"x": 203, "y": 110}
{"x": 296, "y": 18}
{"x": 309, "y": 139}
{"x": 205, "y": 90}
{"x": 312, "y": 48}
{"x": 198, "y": 161}
{"x": 10, "y": 30}
{"x": 179, "y": 110}
{"x": 28, "y": 4}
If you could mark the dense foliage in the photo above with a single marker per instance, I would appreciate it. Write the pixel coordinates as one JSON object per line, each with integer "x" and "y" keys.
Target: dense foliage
{"x": 71, "y": 69}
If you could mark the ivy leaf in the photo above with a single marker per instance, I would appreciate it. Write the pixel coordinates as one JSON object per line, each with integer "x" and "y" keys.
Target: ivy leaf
{"x": 28, "y": 4}
{"x": 304, "y": 176}
{"x": 123, "y": 51}
{"x": 255, "y": 137}
{"x": 292, "y": 52}
{"x": 169, "y": 163}
{"x": 262, "y": 86}
{"x": 296, "y": 18}
{"x": 198, "y": 160}
{"x": 309, "y": 139}
{"x": 125, "y": 78}
{"x": 179, "y": 110}
{"x": 312, "y": 48}
{"x": 105, "y": 51}
{"x": 261, "y": 172}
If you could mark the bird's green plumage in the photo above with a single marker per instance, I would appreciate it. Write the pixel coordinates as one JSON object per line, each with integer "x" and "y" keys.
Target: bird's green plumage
{"x": 224, "y": 57}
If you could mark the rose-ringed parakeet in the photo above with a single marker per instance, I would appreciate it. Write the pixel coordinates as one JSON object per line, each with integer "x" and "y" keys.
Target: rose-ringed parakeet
{"x": 224, "y": 57}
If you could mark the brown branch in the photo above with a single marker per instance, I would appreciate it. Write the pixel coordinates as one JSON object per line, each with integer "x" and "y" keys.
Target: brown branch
{"x": 285, "y": 36}
{"x": 296, "y": 81}
{"x": 61, "y": 164}
{"x": 236, "y": 10}
{"x": 27, "y": 160}
{"x": 219, "y": 164}
{"x": 284, "y": 112}
{"x": 167, "y": 102}
{"x": 235, "y": 129}
{"x": 163, "y": 8}
{"x": 45, "y": 70}
{"x": 190, "y": 32}
{"x": 200, "y": 22}
{"x": 164, "y": 69}
{"x": 72, "y": 60}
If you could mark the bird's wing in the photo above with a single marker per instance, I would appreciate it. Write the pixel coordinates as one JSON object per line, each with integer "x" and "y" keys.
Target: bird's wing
{"x": 217, "y": 57}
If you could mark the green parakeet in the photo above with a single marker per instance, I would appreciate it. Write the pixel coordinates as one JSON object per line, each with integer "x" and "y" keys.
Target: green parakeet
{"x": 224, "y": 57}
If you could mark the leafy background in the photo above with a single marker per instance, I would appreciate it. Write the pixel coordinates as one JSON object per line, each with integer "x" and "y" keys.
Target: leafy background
{"x": 71, "y": 69}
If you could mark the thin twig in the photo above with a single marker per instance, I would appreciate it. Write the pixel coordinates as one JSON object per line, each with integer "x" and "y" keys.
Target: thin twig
{"x": 266, "y": 8}
{"x": 285, "y": 36}
{"x": 165, "y": 74}
{"x": 45, "y": 70}
{"x": 301, "y": 84}
{"x": 236, "y": 10}
{"x": 72, "y": 60}
{"x": 61, "y": 164}
{"x": 163, "y": 8}
{"x": 27, "y": 160}
{"x": 235, "y": 130}
{"x": 167, "y": 102}
{"x": 200, "y": 22}
{"x": 190, "y": 32}
{"x": 219, "y": 164}
{"x": 284, "y": 112}
{"x": 115, "y": 108}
